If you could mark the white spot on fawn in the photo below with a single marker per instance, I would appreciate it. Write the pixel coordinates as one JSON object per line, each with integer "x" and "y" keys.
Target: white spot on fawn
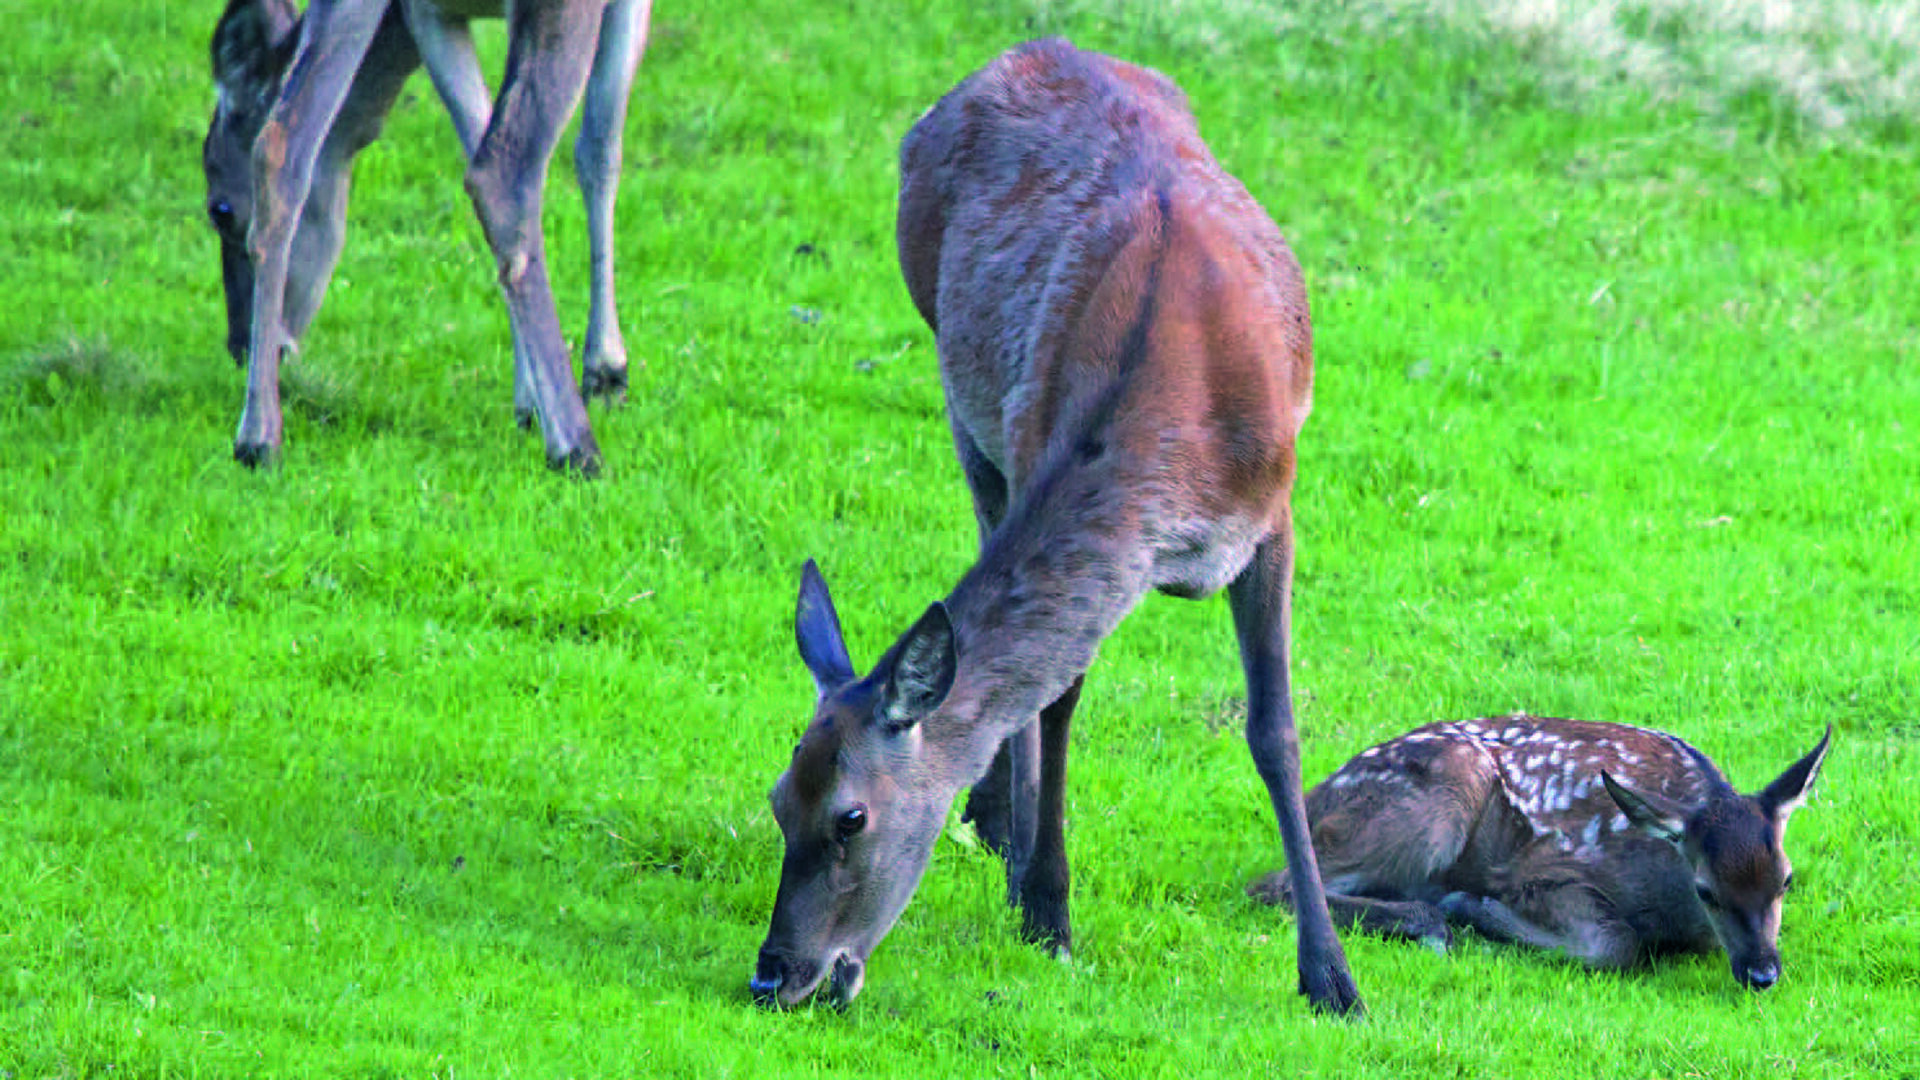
{"x": 1619, "y": 822}
{"x": 1591, "y": 835}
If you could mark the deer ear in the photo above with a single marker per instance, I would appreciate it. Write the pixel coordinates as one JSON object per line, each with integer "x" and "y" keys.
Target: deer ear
{"x": 920, "y": 672}
{"x": 1655, "y": 815}
{"x": 816, "y": 628}
{"x": 1789, "y": 790}
{"x": 248, "y": 40}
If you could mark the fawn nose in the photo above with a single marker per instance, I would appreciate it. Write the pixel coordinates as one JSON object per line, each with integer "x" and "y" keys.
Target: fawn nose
{"x": 1761, "y": 976}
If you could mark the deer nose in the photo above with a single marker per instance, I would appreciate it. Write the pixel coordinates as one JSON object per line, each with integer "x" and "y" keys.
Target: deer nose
{"x": 1761, "y": 976}
{"x": 768, "y": 975}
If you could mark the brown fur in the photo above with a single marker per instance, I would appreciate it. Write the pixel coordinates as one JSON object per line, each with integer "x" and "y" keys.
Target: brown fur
{"x": 1127, "y": 358}
{"x": 1607, "y": 842}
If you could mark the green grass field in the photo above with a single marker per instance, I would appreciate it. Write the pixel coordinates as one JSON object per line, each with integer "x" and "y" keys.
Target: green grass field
{"x": 411, "y": 758}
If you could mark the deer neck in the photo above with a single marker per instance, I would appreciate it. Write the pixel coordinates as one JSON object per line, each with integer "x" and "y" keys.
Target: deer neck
{"x": 1062, "y": 569}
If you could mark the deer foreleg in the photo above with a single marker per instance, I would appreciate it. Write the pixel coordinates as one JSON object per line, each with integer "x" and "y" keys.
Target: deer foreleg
{"x": 596, "y": 164}
{"x": 991, "y": 802}
{"x": 1563, "y": 920}
{"x": 1003, "y": 805}
{"x": 333, "y": 40}
{"x": 1260, "y": 599}
{"x": 1045, "y": 884}
{"x": 389, "y": 61}
{"x": 547, "y": 57}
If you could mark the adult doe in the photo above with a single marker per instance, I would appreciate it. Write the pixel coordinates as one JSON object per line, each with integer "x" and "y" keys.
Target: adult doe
{"x": 300, "y": 95}
{"x": 1127, "y": 360}
{"x": 1606, "y": 842}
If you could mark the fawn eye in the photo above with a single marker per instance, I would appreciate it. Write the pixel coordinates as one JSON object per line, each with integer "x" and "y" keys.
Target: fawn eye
{"x": 850, "y": 822}
{"x": 1706, "y": 895}
{"x": 1788, "y": 885}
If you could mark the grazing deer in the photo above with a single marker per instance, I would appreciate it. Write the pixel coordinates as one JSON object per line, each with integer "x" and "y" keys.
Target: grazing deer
{"x": 300, "y": 95}
{"x": 1606, "y": 842}
{"x": 1127, "y": 359}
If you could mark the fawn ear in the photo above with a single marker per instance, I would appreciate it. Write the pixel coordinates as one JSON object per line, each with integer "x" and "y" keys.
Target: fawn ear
{"x": 1655, "y": 815}
{"x": 920, "y": 672}
{"x": 1790, "y": 788}
{"x": 250, "y": 44}
{"x": 816, "y": 628}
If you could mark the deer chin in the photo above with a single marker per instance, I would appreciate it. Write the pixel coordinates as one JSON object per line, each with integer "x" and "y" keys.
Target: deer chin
{"x": 849, "y": 975}
{"x": 842, "y": 977}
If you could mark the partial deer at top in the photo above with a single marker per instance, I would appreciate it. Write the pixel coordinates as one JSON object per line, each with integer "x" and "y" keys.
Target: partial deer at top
{"x": 301, "y": 95}
{"x": 1607, "y": 843}
{"x": 1127, "y": 359}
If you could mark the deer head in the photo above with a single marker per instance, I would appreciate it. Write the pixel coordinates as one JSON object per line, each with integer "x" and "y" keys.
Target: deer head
{"x": 1732, "y": 844}
{"x": 252, "y": 44}
{"x": 860, "y": 806}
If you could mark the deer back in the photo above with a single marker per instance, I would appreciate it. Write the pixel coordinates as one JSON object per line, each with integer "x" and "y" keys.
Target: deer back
{"x": 1094, "y": 277}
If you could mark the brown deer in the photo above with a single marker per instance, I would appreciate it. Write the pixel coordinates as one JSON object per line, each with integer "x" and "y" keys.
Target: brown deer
{"x": 1127, "y": 359}
{"x": 1605, "y": 842}
{"x": 301, "y": 95}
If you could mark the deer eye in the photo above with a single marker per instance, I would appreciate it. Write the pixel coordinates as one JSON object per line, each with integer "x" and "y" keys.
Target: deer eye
{"x": 1788, "y": 885}
{"x": 1706, "y": 895}
{"x": 850, "y": 822}
{"x": 220, "y": 213}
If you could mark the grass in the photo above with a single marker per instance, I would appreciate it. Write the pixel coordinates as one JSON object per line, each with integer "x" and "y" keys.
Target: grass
{"x": 411, "y": 758}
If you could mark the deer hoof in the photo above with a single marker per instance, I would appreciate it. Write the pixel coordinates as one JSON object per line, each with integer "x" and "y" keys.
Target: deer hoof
{"x": 1331, "y": 991}
{"x": 1460, "y": 907}
{"x": 256, "y": 455}
{"x": 1274, "y": 889}
{"x": 582, "y": 461}
{"x": 608, "y": 383}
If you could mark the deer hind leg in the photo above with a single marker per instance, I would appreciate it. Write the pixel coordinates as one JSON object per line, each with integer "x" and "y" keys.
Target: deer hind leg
{"x": 446, "y": 46}
{"x": 550, "y": 44}
{"x": 1386, "y": 827}
{"x": 596, "y": 164}
{"x": 1407, "y": 920}
{"x": 334, "y": 38}
{"x": 1260, "y": 600}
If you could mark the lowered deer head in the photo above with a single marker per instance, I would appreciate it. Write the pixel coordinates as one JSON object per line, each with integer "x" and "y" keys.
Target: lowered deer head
{"x": 857, "y": 841}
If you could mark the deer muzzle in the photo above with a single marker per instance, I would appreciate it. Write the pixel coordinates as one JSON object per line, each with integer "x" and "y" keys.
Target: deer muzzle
{"x": 1758, "y": 976}
{"x": 779, "y": 982}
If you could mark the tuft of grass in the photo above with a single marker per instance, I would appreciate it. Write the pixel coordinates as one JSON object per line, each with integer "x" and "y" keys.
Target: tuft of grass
{"x": 72, "y": 367}
{"x": 319, "y": 396}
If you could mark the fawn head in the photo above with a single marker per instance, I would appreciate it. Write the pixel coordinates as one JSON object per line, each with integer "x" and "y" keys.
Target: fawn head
{"x": 1732, "y": 844}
